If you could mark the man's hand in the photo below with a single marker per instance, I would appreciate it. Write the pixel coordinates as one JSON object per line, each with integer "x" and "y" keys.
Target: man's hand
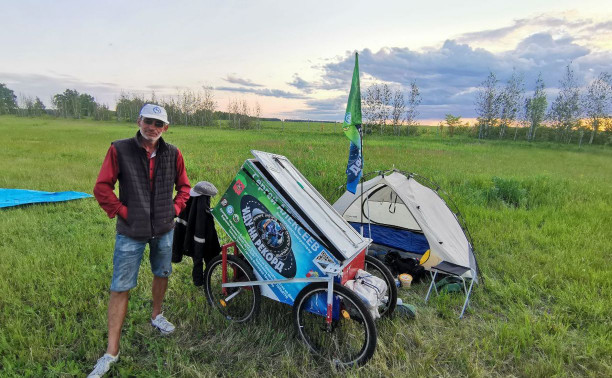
{"x": 123, "y": 212}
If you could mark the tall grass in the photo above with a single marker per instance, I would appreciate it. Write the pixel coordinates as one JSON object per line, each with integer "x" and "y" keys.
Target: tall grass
{"x": 540, "y": 215}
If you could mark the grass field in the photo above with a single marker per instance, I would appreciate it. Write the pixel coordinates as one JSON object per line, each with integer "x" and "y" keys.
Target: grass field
{"x": 540, "y": 216}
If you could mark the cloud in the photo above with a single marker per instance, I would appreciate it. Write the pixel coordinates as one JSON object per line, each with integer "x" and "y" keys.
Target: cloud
{"x": 331, "y": 109}
{"x": 302, "y": 84}
{"x": 240, "y": 81}
{"x": 601, "y": 27}
{"x": 522, "y": 27}
{"x": 46, "y": 86}
{"x": 448, "y": 76}
{"x": 164, "y": 88}
{"x": 263, "y": 92}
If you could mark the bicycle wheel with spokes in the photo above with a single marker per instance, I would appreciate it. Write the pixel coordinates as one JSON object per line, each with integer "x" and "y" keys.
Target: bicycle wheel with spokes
{"x": 351, "y": 337}
{"x": 376, "y": 268}
{"x": 237, "y": 304}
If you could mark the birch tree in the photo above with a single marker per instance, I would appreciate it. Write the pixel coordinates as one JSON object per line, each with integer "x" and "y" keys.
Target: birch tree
{"x": 511, "y": 101}
{"x": 384, "y": 112}
{"x": 487, "y": 105}
{"x": 370, "y": 106}
{"x": 535, "y": 108}
{"x": 257, "y": 115}
{"x": 397, "y": 111}
{"x": 209, "y": 105}
{"x": 597, "y": 101}
{"x": 414, "y": 100}
{"x": 565, "y": 109}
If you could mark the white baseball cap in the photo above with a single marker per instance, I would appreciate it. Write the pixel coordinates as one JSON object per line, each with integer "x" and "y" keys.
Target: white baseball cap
{"x": 155, "y": 112}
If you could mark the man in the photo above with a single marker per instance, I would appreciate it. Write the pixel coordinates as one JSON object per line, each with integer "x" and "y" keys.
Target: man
{"x": 148, "y": 169}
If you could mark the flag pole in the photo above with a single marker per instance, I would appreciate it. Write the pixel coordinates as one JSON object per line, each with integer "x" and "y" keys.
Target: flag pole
{"x": 352, "y": 128}
{"x": 362, "y": 164}
{"x": 362, "y": 160}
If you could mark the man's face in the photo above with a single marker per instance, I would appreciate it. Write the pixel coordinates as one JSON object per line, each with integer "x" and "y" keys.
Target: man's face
{"x": 151, "y": 132}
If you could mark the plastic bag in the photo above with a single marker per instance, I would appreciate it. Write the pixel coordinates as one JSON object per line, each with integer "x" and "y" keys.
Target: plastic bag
{"x": 371, "y": 289}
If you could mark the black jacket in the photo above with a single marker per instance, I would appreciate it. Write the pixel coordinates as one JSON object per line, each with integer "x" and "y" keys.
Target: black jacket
{"x": 195, "y": 236}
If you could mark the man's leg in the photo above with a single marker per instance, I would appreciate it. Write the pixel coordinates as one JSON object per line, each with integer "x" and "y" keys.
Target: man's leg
{"x": 117, "y": 308}
{"x": 160, "y": 284}
{"x": 126, "y": 263}
{"x": 161, "y": 267}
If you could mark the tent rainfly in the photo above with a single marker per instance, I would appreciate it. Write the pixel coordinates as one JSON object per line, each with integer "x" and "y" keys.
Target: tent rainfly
{"x": 399, "y": 213}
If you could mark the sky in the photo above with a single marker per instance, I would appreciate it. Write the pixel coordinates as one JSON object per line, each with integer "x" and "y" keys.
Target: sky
{"x": 295, "y": 58}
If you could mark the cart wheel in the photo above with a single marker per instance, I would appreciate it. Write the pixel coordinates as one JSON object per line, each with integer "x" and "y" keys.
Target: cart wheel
{"x": 350, "y": 339}
{"x": 378, "y": 269}
{"x": 237, "y": 304}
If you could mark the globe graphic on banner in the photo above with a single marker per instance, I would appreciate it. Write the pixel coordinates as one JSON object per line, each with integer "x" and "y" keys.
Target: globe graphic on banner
{"x": 271, "y": 232}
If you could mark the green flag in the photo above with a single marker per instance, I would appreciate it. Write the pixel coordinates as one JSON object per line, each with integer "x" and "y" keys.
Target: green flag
{"x": 352, "y": 127}
{"x": 352, "y": 116}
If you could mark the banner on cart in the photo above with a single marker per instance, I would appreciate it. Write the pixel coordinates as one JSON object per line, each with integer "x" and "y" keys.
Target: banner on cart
{"x": 271, "y": 237}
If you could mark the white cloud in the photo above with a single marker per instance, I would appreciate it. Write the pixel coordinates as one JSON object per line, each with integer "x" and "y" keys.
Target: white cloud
{"x": 233, "y": 79}
{"x": 448, "y": 75}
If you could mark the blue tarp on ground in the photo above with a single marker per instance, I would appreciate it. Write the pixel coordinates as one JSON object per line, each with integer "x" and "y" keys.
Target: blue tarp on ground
{"x": 403, "y": 240}
{"x": 16, "y": 197}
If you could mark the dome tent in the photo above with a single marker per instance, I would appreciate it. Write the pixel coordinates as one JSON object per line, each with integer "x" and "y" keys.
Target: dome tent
{"x": 399, "y": 213}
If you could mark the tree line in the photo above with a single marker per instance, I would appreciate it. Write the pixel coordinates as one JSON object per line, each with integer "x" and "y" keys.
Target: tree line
{"x": 573, "y": 113}
{"x": 187, "y": 107}
{"x": 387, "y": 110}
{"x": 504, "y": 111}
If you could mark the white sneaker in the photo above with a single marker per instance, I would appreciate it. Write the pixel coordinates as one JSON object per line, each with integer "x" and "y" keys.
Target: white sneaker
{"x": 162, "y": 324}
{"x": 103, "y": 365}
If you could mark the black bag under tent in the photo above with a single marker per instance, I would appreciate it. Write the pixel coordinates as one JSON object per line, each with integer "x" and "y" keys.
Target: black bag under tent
{"x": 399, "y": 213}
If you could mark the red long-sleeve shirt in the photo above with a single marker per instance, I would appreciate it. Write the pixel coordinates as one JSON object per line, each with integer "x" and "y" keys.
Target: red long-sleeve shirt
{"x": 105, "y": 184}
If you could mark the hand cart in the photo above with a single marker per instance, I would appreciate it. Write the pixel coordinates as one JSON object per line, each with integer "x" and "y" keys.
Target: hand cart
{"x": 290, "y": 245}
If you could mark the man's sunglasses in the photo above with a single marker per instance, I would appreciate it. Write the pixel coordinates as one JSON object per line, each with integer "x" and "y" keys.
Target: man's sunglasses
{"x": 151, "y": 121}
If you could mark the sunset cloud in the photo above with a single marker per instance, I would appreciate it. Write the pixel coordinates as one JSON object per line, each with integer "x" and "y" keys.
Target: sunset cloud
{"x": 449, "y": 75}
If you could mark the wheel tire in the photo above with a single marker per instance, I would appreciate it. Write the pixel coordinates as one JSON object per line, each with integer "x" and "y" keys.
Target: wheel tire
{"x": 358, "y": 329}
{"x": 244, "y": 305}
{"x": 378, "y": 269}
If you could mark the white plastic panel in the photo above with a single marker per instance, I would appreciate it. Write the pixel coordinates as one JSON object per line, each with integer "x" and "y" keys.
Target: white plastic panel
{"x": 341, "y": 234}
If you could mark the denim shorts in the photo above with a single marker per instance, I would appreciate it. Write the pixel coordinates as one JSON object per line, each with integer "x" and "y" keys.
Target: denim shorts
{"x": 128, "y": 255}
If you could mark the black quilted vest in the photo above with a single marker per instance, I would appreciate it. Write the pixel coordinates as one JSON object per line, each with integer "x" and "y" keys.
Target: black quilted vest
{"x": 150, "y": 210}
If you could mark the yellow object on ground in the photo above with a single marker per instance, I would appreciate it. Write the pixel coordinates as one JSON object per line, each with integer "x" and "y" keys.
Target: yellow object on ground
{"x": 405, "y": 279}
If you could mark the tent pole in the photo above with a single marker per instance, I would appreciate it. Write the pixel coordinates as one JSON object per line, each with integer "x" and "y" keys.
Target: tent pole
{"x": 467, "y": 299}
{"x": 433, "y": 279}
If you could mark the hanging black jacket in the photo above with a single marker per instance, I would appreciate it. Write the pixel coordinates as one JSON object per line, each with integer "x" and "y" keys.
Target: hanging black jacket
{"x": 195, "y": 236}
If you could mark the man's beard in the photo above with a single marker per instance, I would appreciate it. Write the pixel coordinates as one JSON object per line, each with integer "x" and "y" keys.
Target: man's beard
{"x": 148, "y": 138}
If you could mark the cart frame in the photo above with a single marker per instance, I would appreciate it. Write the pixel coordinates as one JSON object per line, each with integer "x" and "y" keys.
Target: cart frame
{"x": 332, "y": 271}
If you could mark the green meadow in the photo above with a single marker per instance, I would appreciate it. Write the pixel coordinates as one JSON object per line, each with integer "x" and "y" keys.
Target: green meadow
{"x": 540, "y": 216}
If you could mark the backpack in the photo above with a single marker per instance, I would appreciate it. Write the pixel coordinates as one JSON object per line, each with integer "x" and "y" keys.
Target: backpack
{"x": 398, "y": 265}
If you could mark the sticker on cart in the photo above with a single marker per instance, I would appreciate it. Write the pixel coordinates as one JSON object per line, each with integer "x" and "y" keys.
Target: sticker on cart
{"x": 269, "y": 236}
{"x": 323, "y": 259}
{"x": 312, "y": 273}
{"x": 239, "y": 187}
